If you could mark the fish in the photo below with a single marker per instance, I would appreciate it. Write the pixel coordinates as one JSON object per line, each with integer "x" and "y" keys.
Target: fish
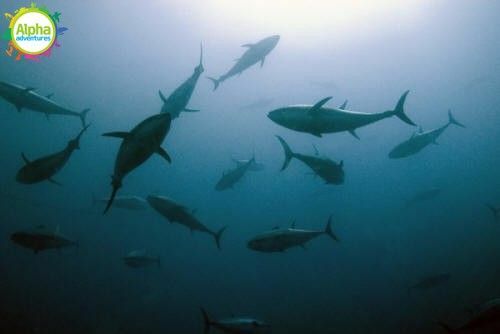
{"x": 137, "y": 147}
{"x": 44, "y": 168}
{"x": 177, "y": 101}
{"x": 421, "y": 139}
{"x": 177, "y": 213}
{"x": 424, "y": 195}
{"x": 139, "y": 259}
{"x": 487, "y": 317}
{"x": 234, "y": 325}
{"x": 125, "y": 202}
{"x": 255, "y": 53}
{"x": 430, "y": 282}
{"x": 26, "y": 98}
{"x": 42, "y": 238}
{"x": 318, "y": 120}
{"x": 231, "y": 177}
{"x": 328, "y": 170}
{"x": 281, "y": 239}
{"x": 494, "y": 210}
{"x": 258, "y": 104}
{"x": 254, "y": 167}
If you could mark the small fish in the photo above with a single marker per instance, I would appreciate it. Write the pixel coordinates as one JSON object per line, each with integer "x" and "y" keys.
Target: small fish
{"x": 139, "y": 259}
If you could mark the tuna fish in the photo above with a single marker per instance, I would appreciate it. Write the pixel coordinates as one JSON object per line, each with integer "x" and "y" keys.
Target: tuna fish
{"x": 176, "y": 213}
{"x": 242, "y": 325}
{"x": 424, "y": 195}
{"x": 231, "y": 177}
{"x": 140, "y": 259}
{"x": 255, "y": 53}
{"x": 280, "y": 239}
{"x": 179, "y": 99}
{"x": 41, "y": 238}
{"x": 327, "y": 169}
{"x": 420, "y": 140}
{"x": 27, "y": 98}
{"x": 318, "y": 120}
{"x": 486, "y": 320}
{"x": 125, "y": 202}
{"x": 46, "y": 167}
{"x": 137, "y": 146}
{"x": 254, "y": 167}
{"x": 430, "y": 282}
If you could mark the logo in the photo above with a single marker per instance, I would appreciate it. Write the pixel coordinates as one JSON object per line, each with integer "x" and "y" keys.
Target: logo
{"x": 33, "y": 32}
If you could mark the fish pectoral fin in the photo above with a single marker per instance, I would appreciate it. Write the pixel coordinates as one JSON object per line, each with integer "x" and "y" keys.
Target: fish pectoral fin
{"x": 317, "y": 134}
{"x": 164, "y": 154}
{"x": 49, "y": 96}
{"x": 51, "y": 180}
{"x": 28, "y": 89}
{"x": 317, "y": 107}
{"x": 19, "y": 107}
{"x": 191, "y": 110}
{"x": 117, "y": 134}
{"x": 354, "y": 134}
{"x": 26, "y": 160}
{"x": 162, "y": 97}
{"x": 47, "y": 115}
{"x": 262, "y": 61}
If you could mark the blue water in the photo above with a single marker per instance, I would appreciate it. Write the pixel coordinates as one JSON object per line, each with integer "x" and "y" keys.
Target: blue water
{"x": 115, "y": 57}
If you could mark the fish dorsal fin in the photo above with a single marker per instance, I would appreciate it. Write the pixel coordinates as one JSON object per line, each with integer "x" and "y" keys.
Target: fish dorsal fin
{"x": 162, "y": 97}
{"x": 49, "y": 96}
{"x": 248, "y": 45}
{"x": 317, "y": 107}
{"x": 293, "y": 224}
{"x": 26, "y": 160}
{"x": 28, "y": 89}
{"x": 117, "y": 134}
{"x": 344, "y": 105}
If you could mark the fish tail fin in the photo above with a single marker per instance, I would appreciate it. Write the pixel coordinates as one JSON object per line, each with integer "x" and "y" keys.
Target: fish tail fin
{"x": 216, "y": 82}
{"x": 329, "y": 231}
{"x": 117, "y": 184}
{"x": 288, "y": 152}
{"x": 447, "y": 328}
{"x": 452, "y": 120}
{"x": 399, "y": 111}
{"x": 206, "y": 320}
{"x": 83, "y": 116}
{"x": 218, "y": 235}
